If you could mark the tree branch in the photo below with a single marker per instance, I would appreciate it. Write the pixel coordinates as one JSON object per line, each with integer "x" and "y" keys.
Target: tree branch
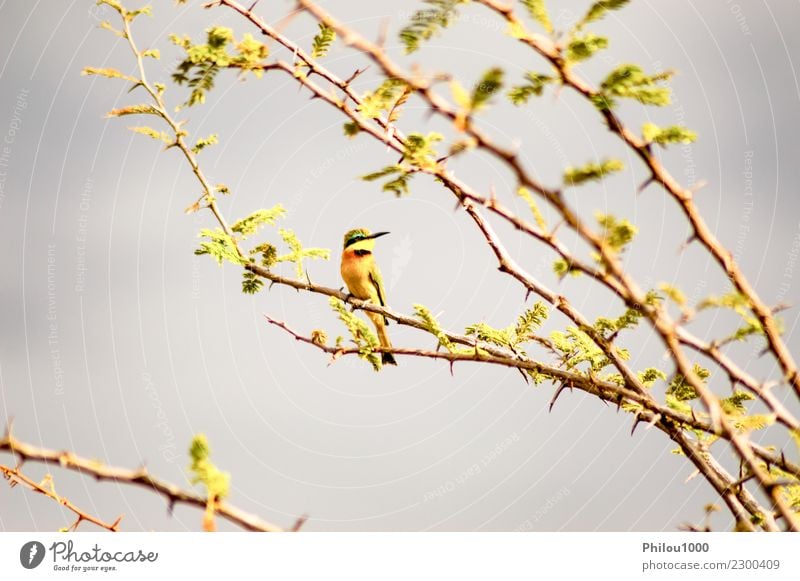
{"x": 141, "y": 478}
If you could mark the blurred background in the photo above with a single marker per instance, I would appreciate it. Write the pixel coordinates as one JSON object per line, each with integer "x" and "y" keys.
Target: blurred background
{"x": 118, "y": 343}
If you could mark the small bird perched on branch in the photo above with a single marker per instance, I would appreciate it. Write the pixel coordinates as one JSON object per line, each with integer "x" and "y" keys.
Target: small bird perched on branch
{"x": 364, "y": 281}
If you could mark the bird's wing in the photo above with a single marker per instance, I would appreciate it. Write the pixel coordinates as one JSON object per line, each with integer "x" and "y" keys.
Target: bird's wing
{"x": 377, "y": 280}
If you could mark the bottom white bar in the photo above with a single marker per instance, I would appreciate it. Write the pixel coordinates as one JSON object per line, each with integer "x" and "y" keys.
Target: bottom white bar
{"x": 390, "y": 556}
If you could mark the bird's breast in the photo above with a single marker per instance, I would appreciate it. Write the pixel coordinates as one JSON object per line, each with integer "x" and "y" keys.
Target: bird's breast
{"x": 355, "y": 273}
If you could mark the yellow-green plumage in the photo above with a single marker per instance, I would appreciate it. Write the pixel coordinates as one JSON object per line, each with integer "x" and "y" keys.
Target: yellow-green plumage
{"x": 364, "y": 281}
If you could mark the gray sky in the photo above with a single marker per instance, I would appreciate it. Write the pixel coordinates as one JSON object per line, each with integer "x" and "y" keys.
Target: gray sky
{"x": 118, "y": 343}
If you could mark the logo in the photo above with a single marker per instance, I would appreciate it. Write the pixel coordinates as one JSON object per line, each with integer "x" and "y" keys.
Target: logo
{"x": 31, "y": 554}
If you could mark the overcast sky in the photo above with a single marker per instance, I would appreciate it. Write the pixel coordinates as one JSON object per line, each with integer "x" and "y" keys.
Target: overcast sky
{"x": 120, "y": 344}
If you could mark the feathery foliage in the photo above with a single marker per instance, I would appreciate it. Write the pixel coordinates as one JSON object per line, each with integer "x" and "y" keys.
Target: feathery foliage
{"x": 575, "y": 176}
{"x": 538, "y": 11}
{"x": 322, "y": 41}
{"x": 535, "y": 85}
{"x": 428, "y": 22}
{"x": 630, "y": 82}
{"x": 204, "y": 471}
{"x": 652, "y": 133}
{"x": 361, "y": 333}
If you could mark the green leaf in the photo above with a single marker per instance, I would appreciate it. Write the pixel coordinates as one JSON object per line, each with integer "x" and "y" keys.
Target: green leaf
{"x": 251, "y": 283}
{"x": 630, "y": 82}
{"x": 142, "y": 109}
{"x": 609, "y": 328}
{"x": 674, "y": 293}
{"x": 681, "y": 390}
{"x": 108, "y": 73}
{"x": 219, "y": 246}
{"x": 381, "y": 173}
{"x": 419, "y": 151}
{"x": 204, "y": 142}
{"x": 652, "y": 133}
{"x": 535, "y": 86}
{"x": 523, "y": 193}
{"x": 490, "y": 83}
{"x": 152, "y": 133}
{"x": 583, "y": 47}
{"x": 130, "y": 15}
{"x": 428, "y": 22}
{"x": 361, "y": 333}
{"x": 268, "y": 253}
{"x": 538, "y": 11}
{"x": 433, "y": 327}
{"x": 562, "y": 268}
{"x": 297, "y": 253}
{"x": 204, "y": 471}
{"x": 351, "y": 129}
{"x": 204, "y": 61}
{"x": 397, "y": 185}
{"x": 734, "y": 405}
{"x": 384, "y": 98}
{"x": 599, "y": 9}
{"x": 251, "y": 224}
{"x": 650, "y": 375}
{"x": 578, "y": 348}
{"x": 575, "y": 176}
{"x": 617, "y": 233}
{"x": 322, "y": 41}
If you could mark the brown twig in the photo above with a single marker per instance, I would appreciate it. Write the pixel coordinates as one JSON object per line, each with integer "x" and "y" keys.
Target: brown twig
{"x": 15, "y": 476}
{"x": 141, "y": 478}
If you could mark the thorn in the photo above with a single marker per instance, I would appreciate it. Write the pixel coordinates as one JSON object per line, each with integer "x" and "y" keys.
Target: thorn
{"x": 253, "y": 5}
{"x": 698, "y": 186}
{"x": 298, "y": 524}
{"x": 652, "y": 422}
{"x": 780, "y": 307}
{"x": 527, "y": 294}
{"x": 524, "y": 375}
{"x": 171, "y": 506}
{"x": 555, "y": 396}
{"x": 115, "y": 524}
{"x": 645, "y": 184}
{"x": 687, "y": 242}
{"x": 354, "y": 75}
{"x": 636, "y": 420}
{"x": 783, "y": 457}
{"x": 294, "y": 58}
{"x": 452, "y": 373}
{"x": 692, "y": 475}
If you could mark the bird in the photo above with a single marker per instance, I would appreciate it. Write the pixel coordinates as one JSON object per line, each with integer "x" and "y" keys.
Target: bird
{"x": 363, "y": 278}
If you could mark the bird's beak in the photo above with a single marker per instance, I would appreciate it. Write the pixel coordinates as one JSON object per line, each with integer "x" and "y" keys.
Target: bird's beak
{"x": 376, "y": 235}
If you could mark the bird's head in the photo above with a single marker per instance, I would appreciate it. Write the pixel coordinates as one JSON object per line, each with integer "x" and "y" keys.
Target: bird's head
{"x": 361, "y": 239}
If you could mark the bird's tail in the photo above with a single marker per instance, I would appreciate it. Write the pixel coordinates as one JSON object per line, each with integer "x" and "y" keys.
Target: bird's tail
{"x": 383, "y": 337}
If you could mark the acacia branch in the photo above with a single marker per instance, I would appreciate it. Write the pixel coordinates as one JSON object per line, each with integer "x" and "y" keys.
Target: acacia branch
{"x": 633, "y": 296}
{"x": 140, "y": 478}
{"x": 620, "y": 283}
{"x": 15, "y": 476}
{"x": 683, "y": 196}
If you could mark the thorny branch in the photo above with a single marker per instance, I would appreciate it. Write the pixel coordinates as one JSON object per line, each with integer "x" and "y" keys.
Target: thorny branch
{"x": 15, "y": 477}
{"x": 140, "y": 477}
{"x": 741, "y": 503}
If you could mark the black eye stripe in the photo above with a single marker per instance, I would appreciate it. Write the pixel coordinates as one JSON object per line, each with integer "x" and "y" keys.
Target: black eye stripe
{"x": 353, "y": 239}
